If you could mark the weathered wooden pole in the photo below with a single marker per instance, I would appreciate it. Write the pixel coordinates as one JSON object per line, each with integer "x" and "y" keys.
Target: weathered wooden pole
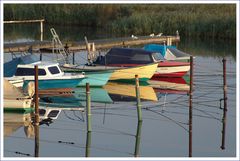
{"x": 36, "y": 121}
{"x": 139, "y": 109}
{"x": 41, "y": 30}
{"x": 88, "y": 144}
{"x": 224, "y": 119}
{"x": 88, "y": 108}
{"x": 190, "y": 108}
{"x": 73, "y": 59}
{"x": 138, "y": 138}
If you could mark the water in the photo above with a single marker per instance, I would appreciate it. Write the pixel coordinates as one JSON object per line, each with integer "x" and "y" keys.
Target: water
{"x": 116, "y": 131}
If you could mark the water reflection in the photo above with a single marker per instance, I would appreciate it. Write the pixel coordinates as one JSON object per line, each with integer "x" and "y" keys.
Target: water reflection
{"x": 88, "y": 144}
{"x": 14, "y": 121}
{"x": 126, "y": 92}
{"x": 138, "y": 139}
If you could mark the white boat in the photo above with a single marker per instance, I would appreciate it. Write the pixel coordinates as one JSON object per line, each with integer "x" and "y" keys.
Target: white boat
{"x": 15, "y": 99}
{"x": 50, "y": 76}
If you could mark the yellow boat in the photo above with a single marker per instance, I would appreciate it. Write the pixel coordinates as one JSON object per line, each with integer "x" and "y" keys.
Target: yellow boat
{"x": 144, "y": 72}
{"x": 146, "y": 92}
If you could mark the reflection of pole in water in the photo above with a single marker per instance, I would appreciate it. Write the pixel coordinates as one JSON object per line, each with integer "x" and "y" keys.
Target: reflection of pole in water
{"x": 88, "y": 144}
{"x": 138, "y": 138}
{"x": 190, "y": 108}
{"x": 225, "y": 104}
{"x": 36, "y": 128}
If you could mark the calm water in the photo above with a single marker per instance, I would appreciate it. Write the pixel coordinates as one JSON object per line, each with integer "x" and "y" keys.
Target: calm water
{"x": 116, "y": 131}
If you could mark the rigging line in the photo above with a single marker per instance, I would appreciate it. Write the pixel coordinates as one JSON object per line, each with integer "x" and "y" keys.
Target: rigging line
{"x": 186, "y": 114}
{"x": 176, "y": 122}
{"x": 71, "y": 117}
{"x": 210, "y": 115}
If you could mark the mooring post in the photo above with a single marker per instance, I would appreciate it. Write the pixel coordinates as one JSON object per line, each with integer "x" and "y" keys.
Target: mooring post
{"x": 88, "y": 144}
{"x": 139, "y": 109}
{"x": 88, "y": 106}
{"x": 36, "y": 121}
{"x": 41, "y": 30}
{"x": 73, "y": 59}
{"x": 138, "y": 138}
{"x": 224, "y": 119}
{"x": 190, "y": 107}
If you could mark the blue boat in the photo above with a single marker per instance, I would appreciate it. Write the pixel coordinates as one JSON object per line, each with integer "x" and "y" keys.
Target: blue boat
{"x": 168, "y": 52}
{"x": 49, "y": 76}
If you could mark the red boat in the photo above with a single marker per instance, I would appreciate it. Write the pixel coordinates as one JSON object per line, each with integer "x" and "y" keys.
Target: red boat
{"x": 172, "y": 69}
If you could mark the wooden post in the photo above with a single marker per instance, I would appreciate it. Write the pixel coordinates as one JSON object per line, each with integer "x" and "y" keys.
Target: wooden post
{"x": 88, "y": 107}
{"x": 138, "y": 138}
{"x": 73, "y": 59}
{"x": 41, "y": 30}
{"x": 225, "y": 104}
{"x": 88, "y": 144}
{"x": 139, "y": 109}
{"x": 36, "y": 121}
{"x": 190, "y": 107}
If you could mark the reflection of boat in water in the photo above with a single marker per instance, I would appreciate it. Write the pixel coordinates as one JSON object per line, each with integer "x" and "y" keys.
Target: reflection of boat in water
{"x": 170, "y": 85}
{"x": 14, "y": 121}
{"x": 122, "y": 89}
{"x": 77, "y": 99}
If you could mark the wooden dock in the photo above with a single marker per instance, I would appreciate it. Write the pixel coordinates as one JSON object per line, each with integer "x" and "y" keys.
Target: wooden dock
{"x": 99, "y": 44}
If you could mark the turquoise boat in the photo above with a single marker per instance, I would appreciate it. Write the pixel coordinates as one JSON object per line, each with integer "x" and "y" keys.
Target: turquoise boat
{"x": 50, "y": 76}
{"x": 93, "y": 77}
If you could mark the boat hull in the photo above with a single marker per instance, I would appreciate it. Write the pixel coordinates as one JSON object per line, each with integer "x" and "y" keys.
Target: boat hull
{"x": 144, "y": 72}
{"x": 55, "y": 83}
{"x": 96, "y": 79}
{"x": 172, "y": 69}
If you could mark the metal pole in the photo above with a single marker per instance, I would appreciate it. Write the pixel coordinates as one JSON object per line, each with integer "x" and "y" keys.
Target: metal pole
{"x": 138, "y": 138}
{"x": 41, "y": 30}
{"x": 190, "y": 107}
{"x": 36, "y": 125}
{"x": 139, "y": 109}
{"x": 88, "y": 106}
{"x": 225, "y": 104}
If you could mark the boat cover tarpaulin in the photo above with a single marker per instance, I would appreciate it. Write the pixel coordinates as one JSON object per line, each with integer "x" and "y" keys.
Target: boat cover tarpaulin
{"x": 158, "y": 48}
{"x": 11, "y": 66}
{"x": 126, "y": 56}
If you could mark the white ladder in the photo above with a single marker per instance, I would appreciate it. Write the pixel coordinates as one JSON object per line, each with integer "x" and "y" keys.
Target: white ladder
{"x": 58, "y": 46}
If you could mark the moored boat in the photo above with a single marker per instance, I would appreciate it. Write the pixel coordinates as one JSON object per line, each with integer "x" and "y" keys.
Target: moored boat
{"x": 16, "y": 100}
{"x": 169, "y": 52}
{"x": 50, "y": 76}
{"x": 93, "y": 77}
{"x": 131, "y": 57}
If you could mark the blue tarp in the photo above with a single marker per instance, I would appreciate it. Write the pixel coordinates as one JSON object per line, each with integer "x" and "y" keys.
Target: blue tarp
{"x": 11, "y": 66}
{"x": 158, "y": 48}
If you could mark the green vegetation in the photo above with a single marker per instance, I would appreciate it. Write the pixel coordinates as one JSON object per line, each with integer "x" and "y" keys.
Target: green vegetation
{"x": 198, "y": 20}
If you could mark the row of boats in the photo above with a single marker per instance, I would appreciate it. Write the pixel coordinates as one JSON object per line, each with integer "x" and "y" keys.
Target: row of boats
{"x": 118, "y": 64}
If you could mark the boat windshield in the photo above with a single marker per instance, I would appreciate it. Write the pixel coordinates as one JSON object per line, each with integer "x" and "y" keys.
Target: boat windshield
{"x": 54, "y": 70}
{"x": 157, "y": 56}
{"x": 29, "y": 72}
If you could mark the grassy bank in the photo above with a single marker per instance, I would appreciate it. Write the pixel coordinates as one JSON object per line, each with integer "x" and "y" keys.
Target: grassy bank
{"x": 199, "y": 20}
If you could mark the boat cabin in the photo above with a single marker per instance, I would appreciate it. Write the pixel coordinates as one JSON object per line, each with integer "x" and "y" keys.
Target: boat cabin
{"x": 45, "y": 70}
{"x": 129, "y": 56}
